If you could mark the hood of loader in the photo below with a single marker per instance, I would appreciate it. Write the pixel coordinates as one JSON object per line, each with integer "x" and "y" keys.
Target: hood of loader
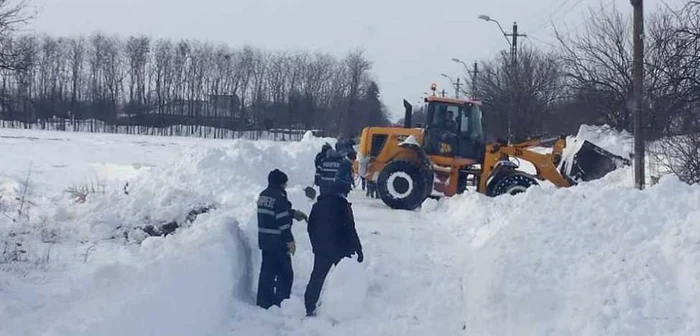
{"x": 588, "y": 162}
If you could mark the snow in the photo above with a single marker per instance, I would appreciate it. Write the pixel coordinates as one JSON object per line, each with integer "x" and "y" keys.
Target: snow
{"x": 617, "y": 143}
{"x": 98, "y": 126}
{"x": 598, "y": 258}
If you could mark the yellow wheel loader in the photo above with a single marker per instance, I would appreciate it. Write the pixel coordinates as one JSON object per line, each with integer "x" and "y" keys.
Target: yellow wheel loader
{"x": 448, "y": 154}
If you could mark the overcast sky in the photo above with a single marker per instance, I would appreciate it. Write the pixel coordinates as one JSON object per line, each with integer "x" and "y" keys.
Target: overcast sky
{"x": 410, "y": 42}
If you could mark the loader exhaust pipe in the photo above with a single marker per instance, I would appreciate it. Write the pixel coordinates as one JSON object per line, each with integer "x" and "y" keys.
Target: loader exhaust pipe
{"x": 407, "y": 122}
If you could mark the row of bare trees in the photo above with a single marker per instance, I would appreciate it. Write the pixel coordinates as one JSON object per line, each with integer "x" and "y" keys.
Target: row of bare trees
{"x": 587, "y": 79}
{"x": 158, "y": 83}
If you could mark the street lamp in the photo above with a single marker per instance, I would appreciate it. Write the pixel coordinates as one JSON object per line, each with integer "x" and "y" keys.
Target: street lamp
{"x": 456, "y": 86}
{"x": 514, "y": 64}
{"x": 457, "y": 60}
{"x": 488, "y": 18}
{"x": 472, "y": 72}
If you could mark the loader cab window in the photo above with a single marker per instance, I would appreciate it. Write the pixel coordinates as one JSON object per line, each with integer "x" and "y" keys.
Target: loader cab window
{"x": 454, "y": 130}
{"x": 444, "y": 116}
{"x": 471, "y": 123}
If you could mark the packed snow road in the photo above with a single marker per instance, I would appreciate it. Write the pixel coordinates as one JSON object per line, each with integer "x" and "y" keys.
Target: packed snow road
{"x": 409, "y": 283}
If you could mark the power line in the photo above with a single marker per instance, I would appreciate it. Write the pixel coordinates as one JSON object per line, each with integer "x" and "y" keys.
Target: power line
{"x": 537, "y": 39}
{"x": 535, "y": 46}
{"x": 554, "y": 13}
{"x": 568, "y": 32}
{"x": 575, "y": 27}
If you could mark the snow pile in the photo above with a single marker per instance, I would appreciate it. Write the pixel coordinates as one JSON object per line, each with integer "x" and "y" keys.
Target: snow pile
{"x": 615, "y": 142}
{"x": 597, "y": 259}
{"x": 600, "y": 258}
{"x": 103, "y": 279}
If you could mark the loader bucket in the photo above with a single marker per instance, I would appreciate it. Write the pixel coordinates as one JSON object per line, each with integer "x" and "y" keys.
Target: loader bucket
{"x": 592, "y": 162}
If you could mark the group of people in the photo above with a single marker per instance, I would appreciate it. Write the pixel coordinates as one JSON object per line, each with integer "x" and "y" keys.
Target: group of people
{"x": 329, "y": 161}
{"x": 331, "y": 229}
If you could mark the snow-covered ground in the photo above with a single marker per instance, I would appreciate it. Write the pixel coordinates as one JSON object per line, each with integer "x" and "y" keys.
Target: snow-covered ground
{"x": 597, "y": 259}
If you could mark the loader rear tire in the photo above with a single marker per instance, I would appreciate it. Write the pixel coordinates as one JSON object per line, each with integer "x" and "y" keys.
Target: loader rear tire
{"x": 404, "y": 185}
{"x": 512, "y": 184}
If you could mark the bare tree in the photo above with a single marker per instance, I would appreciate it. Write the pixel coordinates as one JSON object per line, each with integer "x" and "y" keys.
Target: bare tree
{"x": 598, "y": 64}
{"x": 357, "y": 67}
{"x": 137, "y": 52}
{"x": 530, "y": 99}
{"x": 678, "y": 48}
{"x": 12, "y": 15}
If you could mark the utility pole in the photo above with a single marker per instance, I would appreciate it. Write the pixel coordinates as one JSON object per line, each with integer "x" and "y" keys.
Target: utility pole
{"x": 514, "y": 43}
{"x": 457, "y": 88}
{"x": 474, "y": 73}
{"x": 514, "y": 68}
{"x": 638, "y": 92}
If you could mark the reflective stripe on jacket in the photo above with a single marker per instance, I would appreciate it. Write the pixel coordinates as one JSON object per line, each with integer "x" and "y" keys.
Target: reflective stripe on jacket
{"x": 275, "y": 215}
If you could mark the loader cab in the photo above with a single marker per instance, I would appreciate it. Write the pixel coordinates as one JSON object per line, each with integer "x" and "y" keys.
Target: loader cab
{"x": 454, "y": 128}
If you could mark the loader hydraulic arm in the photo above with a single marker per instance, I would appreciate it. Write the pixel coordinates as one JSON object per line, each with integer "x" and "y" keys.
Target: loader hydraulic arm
{"x": 545, "y": 164}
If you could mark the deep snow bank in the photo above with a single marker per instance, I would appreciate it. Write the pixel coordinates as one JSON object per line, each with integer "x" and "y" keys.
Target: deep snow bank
{"x": 600, "y": 258}
{"x": 99, "y": 282}
{"x": 597, "y": 259}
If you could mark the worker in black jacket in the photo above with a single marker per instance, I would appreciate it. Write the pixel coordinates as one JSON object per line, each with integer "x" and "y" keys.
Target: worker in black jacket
{"x": 318, "y": 161}
{"x": 329, "y": 169}
{"x": 276, "y": 241}
{"x": 333, "y": 237}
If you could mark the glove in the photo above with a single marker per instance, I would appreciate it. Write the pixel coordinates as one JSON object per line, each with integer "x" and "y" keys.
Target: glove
{"x": 299, "y": 216}
{"x": 360, "y": 256}
{"x": 292, "y": 247}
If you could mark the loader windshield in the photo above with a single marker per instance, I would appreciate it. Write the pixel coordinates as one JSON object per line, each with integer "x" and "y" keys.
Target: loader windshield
{"x": 454, "y": 130}
{"x": 470, "y": 125}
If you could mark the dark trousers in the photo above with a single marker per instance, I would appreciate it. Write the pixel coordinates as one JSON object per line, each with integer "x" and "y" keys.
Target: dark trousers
{"x": 371, "y": 189}
{"x": 322, "y": 264}
{"x": 276, "y": 277}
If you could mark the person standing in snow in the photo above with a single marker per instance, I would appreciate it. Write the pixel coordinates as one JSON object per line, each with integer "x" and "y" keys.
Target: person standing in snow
{"x": 318, "y": 161}
{"x": 344, "y": 180}
{"x": 328, "y": 170}
{"x": 344, "y": 146}
{"x": 333, "y": 237}
{"x": 276, "y": 241}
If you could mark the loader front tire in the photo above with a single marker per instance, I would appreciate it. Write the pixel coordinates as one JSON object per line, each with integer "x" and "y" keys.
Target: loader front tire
{"x": 511, "y": 184}
{"x": 404, "y": 185}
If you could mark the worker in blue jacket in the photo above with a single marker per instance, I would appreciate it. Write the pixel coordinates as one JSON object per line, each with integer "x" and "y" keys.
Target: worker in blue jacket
{"x": 344, "y": 181}
{"x": 329, "y": 170}
{"x": 318, "y": 161}
{"x": 276, "y": 241}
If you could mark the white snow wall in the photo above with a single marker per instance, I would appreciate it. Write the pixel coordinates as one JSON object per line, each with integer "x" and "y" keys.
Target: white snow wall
{"x": 187, "y": 283}
{"x": 598, "y": 259}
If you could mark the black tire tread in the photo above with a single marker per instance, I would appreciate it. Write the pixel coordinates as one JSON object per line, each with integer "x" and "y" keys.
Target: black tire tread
{"x": 421, "y": 189}
{"x": 507, "y": 181}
